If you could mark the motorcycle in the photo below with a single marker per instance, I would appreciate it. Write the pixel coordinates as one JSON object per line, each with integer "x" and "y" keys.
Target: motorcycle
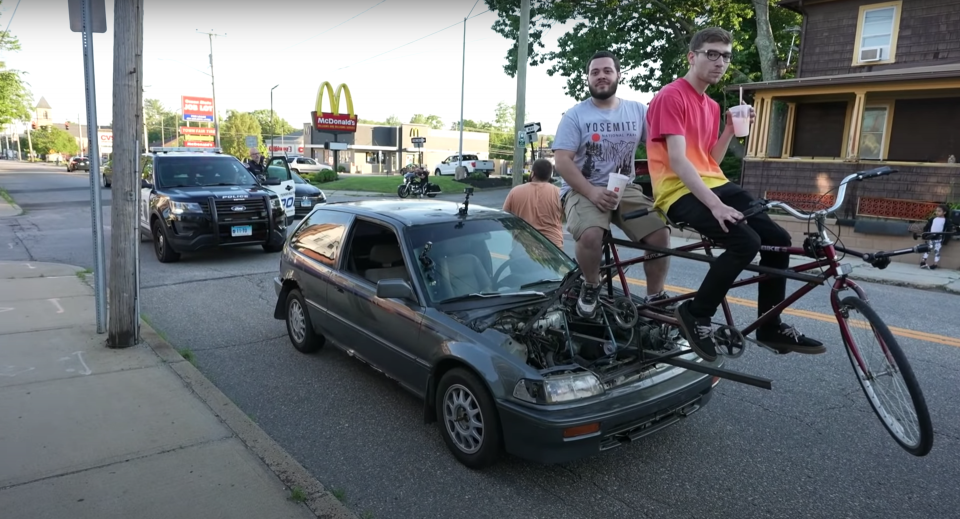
{"x": 412, "y": 187}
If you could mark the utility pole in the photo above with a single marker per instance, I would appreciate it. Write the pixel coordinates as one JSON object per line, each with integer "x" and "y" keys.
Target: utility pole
{"x": 127, "y": 121}
{"x": 463, "y": 78}
{"x": 213, "y": 85}
{"x": 519, "y": 149}
{"x": 271, "y": 119}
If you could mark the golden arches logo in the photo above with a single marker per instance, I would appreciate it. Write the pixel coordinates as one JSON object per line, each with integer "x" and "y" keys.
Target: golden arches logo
{"x": 334, "y": 98}
{"x": 333, "y": 121}
{"x": 414, "y": 132}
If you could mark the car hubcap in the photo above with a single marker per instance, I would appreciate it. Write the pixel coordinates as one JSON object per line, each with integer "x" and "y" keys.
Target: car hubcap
{"x": 159, "y": 241}
{"x": 463, "y": 418}
{"x": 298, "y": 325}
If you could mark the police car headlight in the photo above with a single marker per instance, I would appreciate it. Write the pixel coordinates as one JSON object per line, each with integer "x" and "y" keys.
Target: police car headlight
{"x": 185, "y": 207}
{"x": 275, "y": 203}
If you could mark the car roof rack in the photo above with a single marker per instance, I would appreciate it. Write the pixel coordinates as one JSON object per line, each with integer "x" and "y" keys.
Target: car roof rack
{"x": 184, "y": 149}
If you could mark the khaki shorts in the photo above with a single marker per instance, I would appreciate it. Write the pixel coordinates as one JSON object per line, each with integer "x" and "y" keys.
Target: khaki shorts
{"x": 581, "y": 214}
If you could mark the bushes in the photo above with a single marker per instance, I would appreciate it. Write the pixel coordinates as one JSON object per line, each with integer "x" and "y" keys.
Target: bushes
{"x": 324, "y": 175}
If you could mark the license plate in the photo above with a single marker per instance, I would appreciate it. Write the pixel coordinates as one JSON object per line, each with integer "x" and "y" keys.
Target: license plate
{"x": 305, "y": 203}
{"x": 242, "y": 230}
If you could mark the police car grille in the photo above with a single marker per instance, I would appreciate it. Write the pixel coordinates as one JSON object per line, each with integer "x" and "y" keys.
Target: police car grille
{"x": 237, "y": 210}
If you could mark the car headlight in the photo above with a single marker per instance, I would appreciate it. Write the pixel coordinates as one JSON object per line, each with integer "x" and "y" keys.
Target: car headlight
{"x": 559, "y": 388}
{"x": 275, "y": 203}
{"x": 185, "y": 207}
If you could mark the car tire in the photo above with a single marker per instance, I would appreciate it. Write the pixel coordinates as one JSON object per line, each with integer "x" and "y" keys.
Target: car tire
{"x": 161, "y": 245}
{"x": 299, "y": 326}
{"x": 272, "y": 247}
{"x": 437, "y": 173}
{"x": 464, "y": 392}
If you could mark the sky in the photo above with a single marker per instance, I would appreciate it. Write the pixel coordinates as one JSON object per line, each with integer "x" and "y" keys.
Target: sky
{"x": 297, "y": 44}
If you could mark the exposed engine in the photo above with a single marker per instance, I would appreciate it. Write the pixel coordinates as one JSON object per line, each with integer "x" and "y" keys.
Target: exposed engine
{"x": 560, "y": 337}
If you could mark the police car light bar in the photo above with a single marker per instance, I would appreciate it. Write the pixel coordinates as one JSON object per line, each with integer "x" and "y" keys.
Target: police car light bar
{"x": 184, "y": 149}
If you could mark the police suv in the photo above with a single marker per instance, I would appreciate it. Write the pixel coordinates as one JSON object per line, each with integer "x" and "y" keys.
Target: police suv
{"x": 199, "y": 198}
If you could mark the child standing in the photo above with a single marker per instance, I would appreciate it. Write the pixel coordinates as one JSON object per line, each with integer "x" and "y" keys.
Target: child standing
{"x": 938, "y": 223}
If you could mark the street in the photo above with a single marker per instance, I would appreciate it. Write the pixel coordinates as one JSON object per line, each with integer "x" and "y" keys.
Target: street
{"x": 811, "y": 447}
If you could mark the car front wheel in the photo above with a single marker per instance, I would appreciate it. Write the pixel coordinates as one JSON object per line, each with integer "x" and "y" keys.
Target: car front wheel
{"x": 468, "y": 419}
{"x": 161, "y": 246}
{"x": 299, "y": 327}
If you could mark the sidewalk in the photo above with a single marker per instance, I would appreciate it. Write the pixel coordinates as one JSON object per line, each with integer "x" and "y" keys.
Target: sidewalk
{"x": 90, "y": 432}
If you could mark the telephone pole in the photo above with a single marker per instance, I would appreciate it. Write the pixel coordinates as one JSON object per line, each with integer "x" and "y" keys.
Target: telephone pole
{"x": 127, "y": 126}
{"x": 213, "y": 85}
{"x": 519, "y": 149}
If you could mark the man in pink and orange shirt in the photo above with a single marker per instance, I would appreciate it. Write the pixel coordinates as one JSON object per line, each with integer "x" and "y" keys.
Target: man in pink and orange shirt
{"x": 684, "y": 149}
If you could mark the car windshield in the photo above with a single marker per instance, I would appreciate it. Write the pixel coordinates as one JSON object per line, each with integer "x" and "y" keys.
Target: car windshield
{"x": 202, "y": 171}
{"x": 485, "y": 259}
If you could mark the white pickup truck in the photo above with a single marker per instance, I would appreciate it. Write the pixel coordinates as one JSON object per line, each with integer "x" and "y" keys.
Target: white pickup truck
{"x": 471, "y": 162}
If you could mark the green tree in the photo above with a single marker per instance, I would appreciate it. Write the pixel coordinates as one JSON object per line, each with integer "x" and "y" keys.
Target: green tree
{"x": 280, "y": 125}
{"x": 48, "y": 139}
{"x": 15, "y": 99}
{"x": 162, "y": 124}
{"x": 432, "y": 121}
{"x": 234, "y": 131}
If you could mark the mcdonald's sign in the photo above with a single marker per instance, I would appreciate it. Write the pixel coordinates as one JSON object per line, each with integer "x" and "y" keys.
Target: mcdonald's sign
{"x": 333, "y": 121}
{"x": 414, "y": 132}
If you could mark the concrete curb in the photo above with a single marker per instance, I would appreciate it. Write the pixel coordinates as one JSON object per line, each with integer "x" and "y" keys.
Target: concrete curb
{"x": 18, "y": 211}
{"x": 321, "y": 502}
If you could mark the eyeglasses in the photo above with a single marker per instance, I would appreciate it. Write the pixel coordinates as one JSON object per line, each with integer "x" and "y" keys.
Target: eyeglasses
{"x": 713, "y": 55}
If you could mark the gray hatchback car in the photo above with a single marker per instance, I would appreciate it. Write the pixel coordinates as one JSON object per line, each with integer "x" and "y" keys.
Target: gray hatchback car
{"x": 459, "y": 305}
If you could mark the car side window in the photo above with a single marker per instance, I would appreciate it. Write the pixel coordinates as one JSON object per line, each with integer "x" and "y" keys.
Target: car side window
{"x": 277, "y": 168}
{"x": 374, "y": 253}
{"x": 320, "y": 237}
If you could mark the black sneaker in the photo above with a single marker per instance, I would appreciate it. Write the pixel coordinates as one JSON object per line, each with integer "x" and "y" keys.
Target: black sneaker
{"x": 698, "y": 331}
{"x": 786, "y": 338}
{"x": 587, "y": 302}
{"x": 661, "y": 296}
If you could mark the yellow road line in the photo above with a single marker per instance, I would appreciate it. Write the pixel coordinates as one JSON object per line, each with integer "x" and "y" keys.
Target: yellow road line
{"x": 817, "y": 316}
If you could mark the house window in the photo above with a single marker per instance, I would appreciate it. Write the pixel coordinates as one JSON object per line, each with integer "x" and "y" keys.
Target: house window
{"x": 877, "y": 31}
{"x": 873, "y": 131}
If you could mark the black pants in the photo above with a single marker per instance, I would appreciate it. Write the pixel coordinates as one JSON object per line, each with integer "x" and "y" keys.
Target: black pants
{"x": 742, "y": 243}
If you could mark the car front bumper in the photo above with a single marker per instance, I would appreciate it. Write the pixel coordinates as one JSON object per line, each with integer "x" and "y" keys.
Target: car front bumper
{"x": 302, "y": 210}
{"x": 191, "y": 232}
{"x": 538, "y": 434}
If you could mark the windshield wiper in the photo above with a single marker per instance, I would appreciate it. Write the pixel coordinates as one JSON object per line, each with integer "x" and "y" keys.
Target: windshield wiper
{"x": 490, "y": 295}
{"x": 541, "y": 282}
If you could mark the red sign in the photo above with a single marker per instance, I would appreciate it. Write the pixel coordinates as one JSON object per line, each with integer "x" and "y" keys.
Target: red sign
{"x": 197, "y": 108}
{"x": 199, "y": 144}
{"x": 329, "y": 122}
{"x": 196, "y": 130}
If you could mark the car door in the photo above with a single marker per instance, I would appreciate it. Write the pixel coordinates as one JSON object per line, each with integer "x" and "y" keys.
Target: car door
{"x": 385, "y": 332}
{"x": 317, "y": 244}
{"x": 278, "y": 169}
{"x": 147, "y": 191}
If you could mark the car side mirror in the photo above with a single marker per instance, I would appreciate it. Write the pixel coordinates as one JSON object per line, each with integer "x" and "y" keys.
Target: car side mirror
{"x": 271, "y": 181}
{"x": 145, "y": 184}
{"x": 394, "y": 288}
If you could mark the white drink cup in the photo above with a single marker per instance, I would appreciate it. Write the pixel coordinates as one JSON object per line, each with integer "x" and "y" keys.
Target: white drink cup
{"x": 741, "y": 120}
{"x": 617, "y": 183}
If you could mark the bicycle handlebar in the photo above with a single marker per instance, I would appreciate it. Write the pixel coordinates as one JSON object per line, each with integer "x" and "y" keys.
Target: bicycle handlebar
{"x": 841, "y": 194}
{"x": 933, "y": 235}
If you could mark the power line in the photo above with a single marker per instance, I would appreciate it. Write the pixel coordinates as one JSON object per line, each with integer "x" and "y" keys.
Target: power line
{"x": 334, "y": 27}
{"x": 414, "y": 41}
{"x": 7, "y": 31}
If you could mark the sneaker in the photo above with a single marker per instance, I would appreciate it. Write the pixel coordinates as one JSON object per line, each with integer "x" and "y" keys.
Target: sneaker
{"x": 587, "y": 302}
{"x": 933, "y": 267}
{"x": 923, "y": 264}
{"x": 786, "y": 338}
{"x": 697, "y": 331}
{"x": 660, "y": 296}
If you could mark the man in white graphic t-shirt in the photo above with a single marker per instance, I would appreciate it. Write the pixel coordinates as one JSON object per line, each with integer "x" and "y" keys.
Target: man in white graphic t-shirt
{"x": 597, "y": 137}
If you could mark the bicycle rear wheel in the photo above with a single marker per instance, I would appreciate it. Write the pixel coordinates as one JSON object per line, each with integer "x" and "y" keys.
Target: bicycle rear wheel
{"x": 886, "y": 377}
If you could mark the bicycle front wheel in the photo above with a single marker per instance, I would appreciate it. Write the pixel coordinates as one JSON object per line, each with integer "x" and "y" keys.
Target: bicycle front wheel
{"x": 885, "y": 376}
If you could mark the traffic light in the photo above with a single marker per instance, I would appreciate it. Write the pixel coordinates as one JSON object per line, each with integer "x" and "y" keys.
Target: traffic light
{"x": 34, "y": 124}
{"x": 66, "y": 125}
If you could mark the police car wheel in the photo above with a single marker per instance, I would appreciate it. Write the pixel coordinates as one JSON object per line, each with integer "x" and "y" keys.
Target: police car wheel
{"x": 161, "y": 246}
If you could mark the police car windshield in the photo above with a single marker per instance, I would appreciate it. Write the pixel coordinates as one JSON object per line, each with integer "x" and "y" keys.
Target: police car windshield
{"x": 196, "y": 171}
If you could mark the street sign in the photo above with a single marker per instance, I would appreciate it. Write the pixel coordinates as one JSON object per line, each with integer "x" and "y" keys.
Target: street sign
{"x": 418, "y": 142}
{"x": 335, "y": 145}
{"x": 532, "y": 128}
{"x": 251, "y": 141}
{"x": 98, "y": 15}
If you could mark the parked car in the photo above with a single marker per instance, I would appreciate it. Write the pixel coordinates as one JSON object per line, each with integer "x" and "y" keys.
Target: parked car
{"x": 305, "y": 165}
{"x": 434, "y": 295}
{"x": 308, "y": 195}
{"x": 78, "y": 163}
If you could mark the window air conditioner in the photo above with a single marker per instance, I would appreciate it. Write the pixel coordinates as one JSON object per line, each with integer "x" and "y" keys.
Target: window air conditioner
{"x": 868, "y": 54}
